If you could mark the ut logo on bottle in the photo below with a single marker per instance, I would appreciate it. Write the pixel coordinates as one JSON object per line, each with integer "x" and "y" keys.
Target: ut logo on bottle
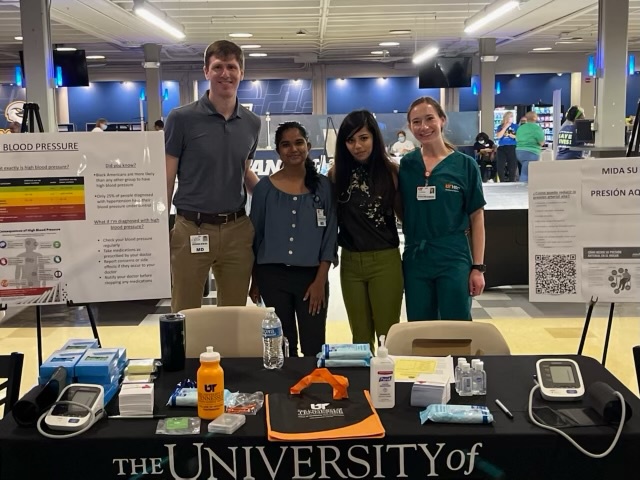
{"x": 319, "y": 406}
{"x": 210, "y": 388}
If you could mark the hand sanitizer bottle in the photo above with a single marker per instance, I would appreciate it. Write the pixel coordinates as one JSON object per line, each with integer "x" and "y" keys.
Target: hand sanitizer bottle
{"x": 382, "y": 386}
{"x": 466, "y": 381}
{"x": 479, "y": 384}
{"x": 458, "y": 372}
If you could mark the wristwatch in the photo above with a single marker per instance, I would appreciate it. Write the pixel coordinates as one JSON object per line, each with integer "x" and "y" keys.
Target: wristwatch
{"x": 481, "y": 267}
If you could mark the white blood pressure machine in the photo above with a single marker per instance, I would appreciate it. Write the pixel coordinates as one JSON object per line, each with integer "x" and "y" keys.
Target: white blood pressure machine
{"x": 559, "y": 379}
{"x": 78, "y": 407}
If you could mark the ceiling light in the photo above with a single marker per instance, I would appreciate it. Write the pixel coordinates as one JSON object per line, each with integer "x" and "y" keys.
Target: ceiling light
{"x": 19, "y": 38}
{"x": 301, "y": 33}
{"x": 377, "y": 52}
{"x": 65, "y": 49}
{"x": 399, "y": 32}
{"x": 95, "y": 57}
{"x": 517, "y": 75}
{"x": 256, "y": 82}
{"x": 241, "y": 35}
{"x": 389, "y": 44}
{"x": 158, "y": 18}
{"x": 424, "y": 54}
{"x": 257, "y": 54}
{"x": 542, "y": 49}
{"x": 249, "y": 47}
{"x": 559, "y": 74}
{"x": 489, "y": 14}
{"x": 567, "y": 42}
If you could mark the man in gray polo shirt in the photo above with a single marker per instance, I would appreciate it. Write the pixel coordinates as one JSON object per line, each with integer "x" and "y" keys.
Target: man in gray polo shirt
{"x": 209, "y": 145}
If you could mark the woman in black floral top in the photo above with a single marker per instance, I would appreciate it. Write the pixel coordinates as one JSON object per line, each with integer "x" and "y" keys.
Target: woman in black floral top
{"x": 366, "y": 191}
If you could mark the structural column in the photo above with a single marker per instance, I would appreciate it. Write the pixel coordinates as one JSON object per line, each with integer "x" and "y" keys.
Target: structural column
{"x": 487, "y": 83}
{"x": 583, "y": 93}
{"x": 611, "y": 63}
{"x": 154, "y": 82}
{"x": 38, "y": 60}
{"x": 319, "y": 89}
{"x": 62, "y": 105}
{"x": 450, "y": 99}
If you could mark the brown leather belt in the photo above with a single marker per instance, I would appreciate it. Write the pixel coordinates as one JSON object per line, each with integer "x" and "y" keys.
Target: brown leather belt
{"x": 213, "y": 219}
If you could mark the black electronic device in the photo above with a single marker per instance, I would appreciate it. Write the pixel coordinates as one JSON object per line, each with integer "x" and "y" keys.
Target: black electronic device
{"x": 584, "y": 131}
{"x": 73, "y": 68}
{"x": 445, "y": 72}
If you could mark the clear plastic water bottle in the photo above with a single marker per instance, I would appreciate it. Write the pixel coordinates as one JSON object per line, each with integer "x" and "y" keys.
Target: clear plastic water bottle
{"x": 272, "y": 354}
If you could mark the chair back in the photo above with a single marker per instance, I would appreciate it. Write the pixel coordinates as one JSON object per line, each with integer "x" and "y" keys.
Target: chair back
{"x": 10, "y": 377}
{"x": 636, "y": 362}
{"x": 445, "y": 337}
{"x": 232, "y": 331}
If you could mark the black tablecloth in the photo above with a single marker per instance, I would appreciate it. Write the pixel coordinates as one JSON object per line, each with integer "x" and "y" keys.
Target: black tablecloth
{"x": 507, "y": 449}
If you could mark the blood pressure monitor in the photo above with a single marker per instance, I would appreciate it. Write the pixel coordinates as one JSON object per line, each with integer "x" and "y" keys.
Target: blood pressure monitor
{"x": 559, "y": 379}
{"x": 78, "y": 407}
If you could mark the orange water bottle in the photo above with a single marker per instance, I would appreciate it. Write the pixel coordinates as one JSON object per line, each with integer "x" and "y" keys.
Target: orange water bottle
{"x": 210, "y": 385}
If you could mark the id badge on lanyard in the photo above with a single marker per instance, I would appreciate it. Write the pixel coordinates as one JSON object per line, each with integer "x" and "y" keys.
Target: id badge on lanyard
{"x": 428, "y": 192}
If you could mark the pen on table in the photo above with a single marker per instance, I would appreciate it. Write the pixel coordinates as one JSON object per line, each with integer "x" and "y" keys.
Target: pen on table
{"x": 137, "y": 417}
{"x": 504, "y": 409}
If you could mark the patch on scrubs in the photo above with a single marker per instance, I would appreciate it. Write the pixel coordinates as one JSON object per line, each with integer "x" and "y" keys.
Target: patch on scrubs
{"x": 451, "y": 187}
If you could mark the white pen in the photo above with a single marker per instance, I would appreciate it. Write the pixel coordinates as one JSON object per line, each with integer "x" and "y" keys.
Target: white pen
{"x": 136, "y": 417}
{"x": 504, "y": 409}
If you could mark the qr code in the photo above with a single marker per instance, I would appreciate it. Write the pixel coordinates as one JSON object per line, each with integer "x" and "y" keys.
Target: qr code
{"x": 555, "y": 274}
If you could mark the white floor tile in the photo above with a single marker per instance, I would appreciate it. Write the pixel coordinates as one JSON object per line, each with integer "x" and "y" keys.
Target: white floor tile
{"x": 507, "y": 312}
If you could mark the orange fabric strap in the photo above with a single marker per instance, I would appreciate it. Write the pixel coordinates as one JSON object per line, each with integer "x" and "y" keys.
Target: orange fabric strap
{"x": 323, "y": 375}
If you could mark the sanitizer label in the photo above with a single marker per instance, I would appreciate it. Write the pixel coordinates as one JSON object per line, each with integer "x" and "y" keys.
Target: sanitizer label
{"x": 385, "y": 385}
{"x": 271, "y": 332}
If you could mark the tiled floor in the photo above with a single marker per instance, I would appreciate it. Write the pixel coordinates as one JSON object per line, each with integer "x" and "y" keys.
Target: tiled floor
{"x": 528, "y": 328}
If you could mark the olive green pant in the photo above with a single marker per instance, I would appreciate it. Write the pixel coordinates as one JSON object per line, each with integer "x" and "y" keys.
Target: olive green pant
{"x": 372, "y": 287}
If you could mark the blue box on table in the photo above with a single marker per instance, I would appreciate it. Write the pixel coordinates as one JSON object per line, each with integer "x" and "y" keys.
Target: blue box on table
{"x": 80, "y": 344}
{"x": 97, "y": 362}
{"x": 60, "y": 358}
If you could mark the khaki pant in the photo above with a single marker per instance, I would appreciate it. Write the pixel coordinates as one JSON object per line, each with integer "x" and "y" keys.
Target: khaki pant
{"x": 230, "y": 256}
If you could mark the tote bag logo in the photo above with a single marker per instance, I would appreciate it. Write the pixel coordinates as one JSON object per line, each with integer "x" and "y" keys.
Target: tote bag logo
{"x": 319, "y": 410}
{"x": 319, "y": 406}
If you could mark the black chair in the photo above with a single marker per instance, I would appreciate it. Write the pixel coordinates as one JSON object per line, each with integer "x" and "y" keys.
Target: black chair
{"x": 636, "y": 361}
{"x": 11, "y": 369}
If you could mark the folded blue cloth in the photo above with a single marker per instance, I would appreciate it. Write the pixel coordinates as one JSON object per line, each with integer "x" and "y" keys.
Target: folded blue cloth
{"x": 345, "y": 351}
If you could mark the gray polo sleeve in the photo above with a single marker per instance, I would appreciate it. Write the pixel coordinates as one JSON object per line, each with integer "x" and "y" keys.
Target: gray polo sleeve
{"x": 173, "y": 135}
{"x": 258, "y": 210}
{"x": 329, "y": 246}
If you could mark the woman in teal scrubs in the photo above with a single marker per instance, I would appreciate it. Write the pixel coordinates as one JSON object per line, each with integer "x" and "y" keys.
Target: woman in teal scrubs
{"x": 443, "y": 201}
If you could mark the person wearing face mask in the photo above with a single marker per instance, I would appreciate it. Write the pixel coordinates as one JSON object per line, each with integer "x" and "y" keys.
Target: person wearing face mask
{"x": 485, "y": 154}
{"x": 293, "y": 213}
{"x": 402, "y": 146}
{"x": 442, "y": 199}
{"x": 366, "y": 192}
{"x": 101, "y": 125}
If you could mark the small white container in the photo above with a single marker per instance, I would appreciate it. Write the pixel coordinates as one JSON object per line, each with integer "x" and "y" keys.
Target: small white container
{"x": 227, "y": 423}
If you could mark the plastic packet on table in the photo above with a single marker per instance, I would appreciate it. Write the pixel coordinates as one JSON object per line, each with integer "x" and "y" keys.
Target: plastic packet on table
{"x": 184, "y": 395}
{"x": 343, "y": 362}
{"x": 346, "y": 350}
{"x": 178, "y": 426}
{"x": 243, "y": 403}
{"x": 440, "y": 413}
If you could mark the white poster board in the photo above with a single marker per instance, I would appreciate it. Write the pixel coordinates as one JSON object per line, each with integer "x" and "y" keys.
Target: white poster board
{"x": 83, "y": 218}
{"x": 584, "y": 230}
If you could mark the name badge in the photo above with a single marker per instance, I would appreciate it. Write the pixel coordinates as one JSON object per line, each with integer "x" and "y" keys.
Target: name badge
{"x": 426, "y": 193}
{"x": 321, "y": 217}
{"x": 199, "y": 243}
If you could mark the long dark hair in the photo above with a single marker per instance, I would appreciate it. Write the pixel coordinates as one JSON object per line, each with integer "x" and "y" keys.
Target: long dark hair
{"x": 311, "y": 177}
{"x": 379, "y": 165}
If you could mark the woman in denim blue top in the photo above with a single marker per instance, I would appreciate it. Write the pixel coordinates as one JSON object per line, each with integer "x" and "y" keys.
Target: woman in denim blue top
{"x": 294, "y": 217}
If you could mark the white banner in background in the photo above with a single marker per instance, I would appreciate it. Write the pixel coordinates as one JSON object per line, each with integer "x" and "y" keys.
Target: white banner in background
{"x": 584, "y": 230}
{"x": 83, "y": 218}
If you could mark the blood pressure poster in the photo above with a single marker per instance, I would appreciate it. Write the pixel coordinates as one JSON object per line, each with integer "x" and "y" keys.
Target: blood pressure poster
{"x": 83, "y": 218}
{"x": 584, "y": 230}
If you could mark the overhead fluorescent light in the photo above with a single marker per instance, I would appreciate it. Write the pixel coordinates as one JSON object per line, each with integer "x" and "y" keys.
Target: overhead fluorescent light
{"x": 424, "y": 54}
{"x": 66, "y": 49}
{"x": 95, "y": 57}
{"x": 542, "y": 49}
{"x": 257, "y": 54}
{"x": 158, "y": 18}
{"x": 377, "y": 52}
{"x": 249, "y": 47}
{"x": 399, "y": 32}
{"x": 568, "y": 42}
{"x": 489, "y": 14}
{"x": 19, "y": 38}
{"x": 389, "y": 44}
{"x": 241, "y": 35}
{"x": 489, "y": 58}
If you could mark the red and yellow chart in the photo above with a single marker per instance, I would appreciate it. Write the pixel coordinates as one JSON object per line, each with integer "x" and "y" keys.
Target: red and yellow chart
{"x": 49, "y": 199}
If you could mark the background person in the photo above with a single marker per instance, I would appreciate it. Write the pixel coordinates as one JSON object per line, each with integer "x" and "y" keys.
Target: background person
{"x": 485, "y": 150}
{"x": 402, "y": 146}
{"x": 530, "y": 138}
{"x": 101, "y": 125}
{"x": 366, "y": 190}
{"x": 293, "y": 213}
{"x": 442, "y": 199}
{"x": 158, "y": 126}
{"x": 567, "y": 135}
{"x": 209, "y": 145}
{"x": 507, "y": 161}
{"x": 15, "y": 127}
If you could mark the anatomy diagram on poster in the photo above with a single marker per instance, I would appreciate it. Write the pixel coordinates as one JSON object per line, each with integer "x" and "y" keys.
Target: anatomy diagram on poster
{"x": 584, "y": 230}
{"x": 83, "y": 218}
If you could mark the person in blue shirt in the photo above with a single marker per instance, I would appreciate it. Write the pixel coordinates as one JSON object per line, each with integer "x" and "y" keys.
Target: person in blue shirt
{"x": 567, "y": 135}
{"x": 507, "y": 161}
{"x": 294, "y": 217}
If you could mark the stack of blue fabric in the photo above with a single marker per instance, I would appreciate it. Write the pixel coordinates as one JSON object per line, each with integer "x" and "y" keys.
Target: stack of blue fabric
{"x": 344, "y": 355}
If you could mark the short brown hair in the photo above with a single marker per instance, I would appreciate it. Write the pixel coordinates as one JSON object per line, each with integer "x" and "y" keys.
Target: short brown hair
{"x": 224, "y": 49}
